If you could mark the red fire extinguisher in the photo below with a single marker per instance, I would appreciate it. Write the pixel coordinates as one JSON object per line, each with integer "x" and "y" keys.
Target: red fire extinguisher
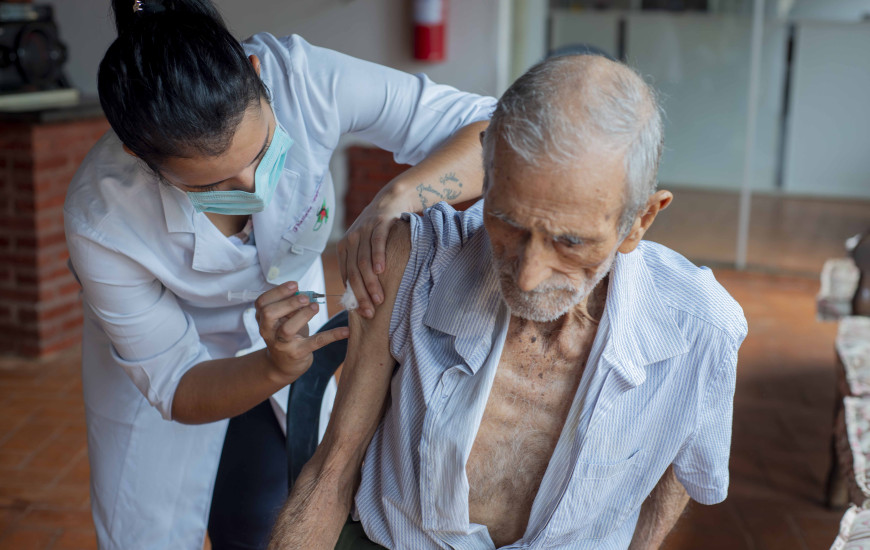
{"x": 429, "y": 29}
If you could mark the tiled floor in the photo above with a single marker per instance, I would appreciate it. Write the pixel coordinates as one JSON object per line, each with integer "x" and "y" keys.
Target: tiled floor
{"x": 782, "y": 425}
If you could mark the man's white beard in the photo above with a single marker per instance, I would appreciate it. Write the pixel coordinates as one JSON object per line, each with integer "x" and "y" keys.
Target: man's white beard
{"x": 549, "y": 300}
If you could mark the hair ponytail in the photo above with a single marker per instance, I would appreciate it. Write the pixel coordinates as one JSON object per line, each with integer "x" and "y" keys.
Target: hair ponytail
{"x": 175, "y": 83}
{"x": 127, "y": 12}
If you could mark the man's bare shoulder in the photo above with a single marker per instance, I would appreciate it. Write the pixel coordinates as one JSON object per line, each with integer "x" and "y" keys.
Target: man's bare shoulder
{"x": 398, "y": 253}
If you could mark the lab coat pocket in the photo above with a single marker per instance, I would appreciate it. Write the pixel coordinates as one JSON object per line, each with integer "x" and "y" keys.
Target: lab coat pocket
{"x": 598, "y": 500}
{"x": 304, "y": 241}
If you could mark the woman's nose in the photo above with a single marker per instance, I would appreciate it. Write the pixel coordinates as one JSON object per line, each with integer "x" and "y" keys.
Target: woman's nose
{"x": 245, "y": 181}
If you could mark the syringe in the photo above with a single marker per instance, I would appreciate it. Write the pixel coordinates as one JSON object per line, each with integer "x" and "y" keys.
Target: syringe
{"x": 251, "y": 295}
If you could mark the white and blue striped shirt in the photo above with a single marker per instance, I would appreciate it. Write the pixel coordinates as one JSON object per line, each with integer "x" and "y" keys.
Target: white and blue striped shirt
{"x": 657, "y": 390}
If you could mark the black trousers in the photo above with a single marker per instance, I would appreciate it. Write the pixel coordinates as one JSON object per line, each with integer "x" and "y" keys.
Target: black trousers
{"x": 252, "y": 477}
{"x": 251, "y": 483}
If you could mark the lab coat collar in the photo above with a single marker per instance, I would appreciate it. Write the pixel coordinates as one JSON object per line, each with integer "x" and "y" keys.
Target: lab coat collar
{"x": 177, "y": 209}
{"x": 642, "y": 329}
{"x": 212, "y": 251}
{"x": 464, "y": 302}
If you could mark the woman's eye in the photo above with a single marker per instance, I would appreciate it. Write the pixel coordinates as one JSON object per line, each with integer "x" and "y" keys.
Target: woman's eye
{"x": 205, "y": 188}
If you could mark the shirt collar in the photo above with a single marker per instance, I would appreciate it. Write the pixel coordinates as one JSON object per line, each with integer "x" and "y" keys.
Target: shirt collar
{"x": 642, "y": 328}
{"x": 464, "y": 301}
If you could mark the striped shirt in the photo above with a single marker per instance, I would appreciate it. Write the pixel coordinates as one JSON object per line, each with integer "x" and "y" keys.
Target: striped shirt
{"x": 657, "y": 390}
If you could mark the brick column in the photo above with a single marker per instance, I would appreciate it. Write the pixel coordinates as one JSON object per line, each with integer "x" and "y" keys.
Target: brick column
{"x": 368, "y": 170}
{"x": 40, "y": 312}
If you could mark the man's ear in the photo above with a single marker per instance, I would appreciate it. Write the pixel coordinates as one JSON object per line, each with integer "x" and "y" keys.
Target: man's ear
{"x": 129, "y": 151}
{"x": 255, "y": 61}
{"x": 656, "y": 203}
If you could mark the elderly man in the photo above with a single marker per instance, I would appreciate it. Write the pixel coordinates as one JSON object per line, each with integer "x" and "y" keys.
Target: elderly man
{"x": 561, "y": 384}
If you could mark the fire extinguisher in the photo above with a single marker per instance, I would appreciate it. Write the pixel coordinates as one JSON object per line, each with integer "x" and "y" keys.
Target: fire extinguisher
{"x": 429, "y": 29}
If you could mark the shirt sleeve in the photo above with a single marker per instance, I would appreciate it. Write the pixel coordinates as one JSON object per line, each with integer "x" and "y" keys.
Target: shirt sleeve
{"x": 406, "y": 114}
{"x": 436, "y": 238}
{"x": 702, "y": 464}
{"x": 153, "y": 339}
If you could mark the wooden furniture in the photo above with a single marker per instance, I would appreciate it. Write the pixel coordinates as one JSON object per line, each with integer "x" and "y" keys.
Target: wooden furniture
{"x": 854, "y": 530}
{"x": 851, "y": 439}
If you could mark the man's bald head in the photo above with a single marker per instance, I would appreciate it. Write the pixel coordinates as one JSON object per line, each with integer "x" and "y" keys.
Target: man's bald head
{"x": 569, "y": 105}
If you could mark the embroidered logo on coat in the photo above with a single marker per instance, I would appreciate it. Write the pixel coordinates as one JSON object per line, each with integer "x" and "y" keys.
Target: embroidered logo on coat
{"x": 322, "y": 216}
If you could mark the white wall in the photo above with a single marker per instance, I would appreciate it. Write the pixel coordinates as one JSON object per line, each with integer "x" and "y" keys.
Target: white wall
{"x": 699, "y": 63}
{"x": 87, "y": 29}
{"x": 829, "y": 125}
{"x": 376, "y": 30}
{"x": 528, "y": 37}
{"x": 825, "y": 10}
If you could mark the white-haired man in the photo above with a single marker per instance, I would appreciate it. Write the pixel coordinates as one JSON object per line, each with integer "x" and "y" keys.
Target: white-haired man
{"x": 561, "y": 384}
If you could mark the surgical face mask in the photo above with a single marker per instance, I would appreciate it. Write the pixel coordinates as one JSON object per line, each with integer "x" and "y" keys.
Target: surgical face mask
{"x": 265, "y": 180}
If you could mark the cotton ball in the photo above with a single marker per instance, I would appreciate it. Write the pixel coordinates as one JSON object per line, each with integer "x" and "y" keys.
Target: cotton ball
{"x": 348, "y": 300}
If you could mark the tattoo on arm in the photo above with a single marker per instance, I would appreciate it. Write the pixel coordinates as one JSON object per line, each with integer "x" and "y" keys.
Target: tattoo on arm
{"x": 451, "y": 188}
{"x": 451, "y": 185}
{"x": 424, "y": 191}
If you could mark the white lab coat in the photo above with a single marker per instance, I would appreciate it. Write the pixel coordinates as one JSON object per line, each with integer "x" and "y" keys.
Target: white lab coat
{"x": 155, "y": 276}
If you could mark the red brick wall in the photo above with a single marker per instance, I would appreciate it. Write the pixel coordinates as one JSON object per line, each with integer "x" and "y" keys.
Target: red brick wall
{"x": 368, "y": 170}
{"x": 40, "y": 311}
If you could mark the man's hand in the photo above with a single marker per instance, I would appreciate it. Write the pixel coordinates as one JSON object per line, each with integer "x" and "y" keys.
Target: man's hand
{"x": 323, "y": 494}
{"x": 659, "y": 512}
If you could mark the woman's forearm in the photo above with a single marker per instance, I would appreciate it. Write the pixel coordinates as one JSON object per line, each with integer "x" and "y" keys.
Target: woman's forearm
{"x": 453, "y": 173}
{"x": 223, "y": 388}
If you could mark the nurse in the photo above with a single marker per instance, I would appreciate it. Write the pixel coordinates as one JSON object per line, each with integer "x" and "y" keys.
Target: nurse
{"x": 214, "y": 178}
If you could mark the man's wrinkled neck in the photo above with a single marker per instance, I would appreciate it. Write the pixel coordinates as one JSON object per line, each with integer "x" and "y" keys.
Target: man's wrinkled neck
{"x": 563, "y": 331}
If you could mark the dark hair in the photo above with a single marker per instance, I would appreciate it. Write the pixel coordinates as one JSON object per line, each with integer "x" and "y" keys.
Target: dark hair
{"x": 175, "y": 83}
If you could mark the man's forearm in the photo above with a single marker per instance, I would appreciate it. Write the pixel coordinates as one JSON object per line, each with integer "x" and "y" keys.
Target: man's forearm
{"x": 313, "y": 516}
{"x": 321, "y": 499}
{"x": 323, "y": 494}
{"x": 659, "y": 512}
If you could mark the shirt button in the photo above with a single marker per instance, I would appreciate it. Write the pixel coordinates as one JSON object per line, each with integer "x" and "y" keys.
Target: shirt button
{"x": 273, "y": 273}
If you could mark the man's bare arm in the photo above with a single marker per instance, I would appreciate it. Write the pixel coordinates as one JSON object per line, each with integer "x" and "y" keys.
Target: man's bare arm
{"x": 659, "y": 512}
{"x": 321, "y": 499}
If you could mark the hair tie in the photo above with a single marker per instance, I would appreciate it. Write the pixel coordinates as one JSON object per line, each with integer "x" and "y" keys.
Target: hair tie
{"x": 153, "y": 6}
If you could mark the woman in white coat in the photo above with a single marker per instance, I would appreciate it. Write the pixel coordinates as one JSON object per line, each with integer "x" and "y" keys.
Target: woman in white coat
{"x": 214, "y": 178}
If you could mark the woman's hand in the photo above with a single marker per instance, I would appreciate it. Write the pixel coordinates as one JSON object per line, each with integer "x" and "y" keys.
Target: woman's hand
{"x": 362, "y": 250}
{"x": 283, "y": 318}
{"x": 453, "y": 173}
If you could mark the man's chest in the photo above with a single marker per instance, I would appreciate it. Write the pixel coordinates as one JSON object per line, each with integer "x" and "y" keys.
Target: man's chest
{"x": 581, "y": 457}
{"x": 531, "y": 395}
